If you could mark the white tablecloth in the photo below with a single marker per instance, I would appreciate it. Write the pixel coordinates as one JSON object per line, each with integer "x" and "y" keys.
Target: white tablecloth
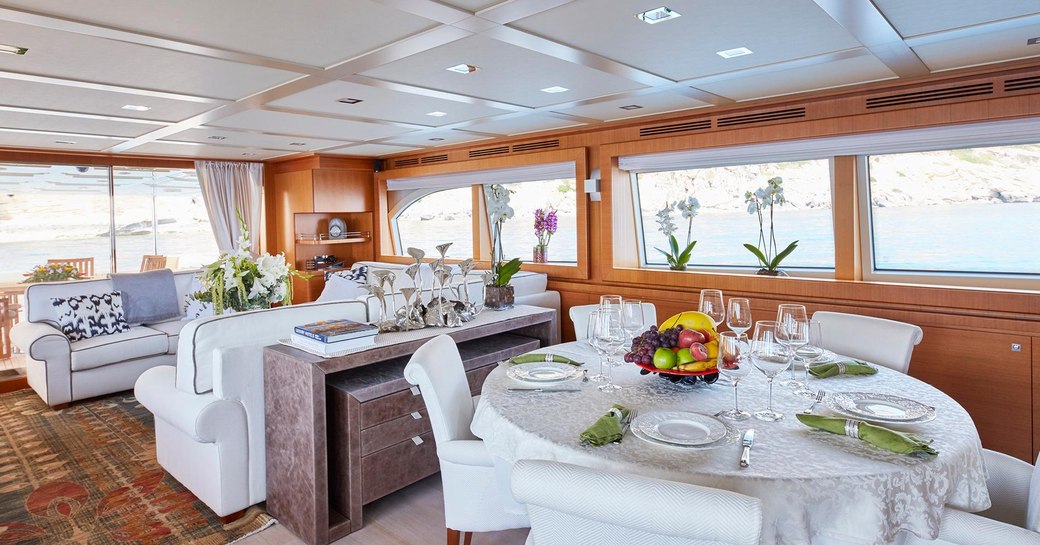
{"x": 815, "y": 486}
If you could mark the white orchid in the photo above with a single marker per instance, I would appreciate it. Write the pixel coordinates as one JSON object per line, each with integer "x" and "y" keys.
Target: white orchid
{"x": 664, "y": 220}
{"x": 689, "y": 207}
{"x": 766, "y": 198}
{"x": 678, "y": 256}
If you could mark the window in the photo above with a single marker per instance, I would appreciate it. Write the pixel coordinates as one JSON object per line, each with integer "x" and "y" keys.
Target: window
{"x": 518, "y": 238}
{"x": 426, "y": 219}
{"x": 723, "y": 224}
{"x": 974, "y": 210}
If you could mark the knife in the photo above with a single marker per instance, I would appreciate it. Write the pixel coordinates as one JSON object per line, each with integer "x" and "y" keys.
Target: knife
{"x": 745, "y": 455}
{"x": 544, "y": 389}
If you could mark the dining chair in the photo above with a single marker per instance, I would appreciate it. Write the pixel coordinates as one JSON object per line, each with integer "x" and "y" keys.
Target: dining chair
{"x": 884, "y": 342}
{"x": 1013, "y": 519}
{"x": 153, "y": 262}
{"x": 580, "y": 318}
{"x": 576, "y": 505}
{"x": 473, "y": 499}
{"x": 85, "y": 265}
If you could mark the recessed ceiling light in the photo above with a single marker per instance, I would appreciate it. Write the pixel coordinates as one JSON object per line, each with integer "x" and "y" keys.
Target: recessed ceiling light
{"x": 630, "y": 107}
{"x": 657, "y": 15}
{"x": 247, "y": 154}
{"x": 436, "y": 139}
{"x": 13, "y": 49}
{"x": 349, "y": 100}
{"x": 64, "y": 142}
{"x": 555, "y": 89}
{"x": 297, "y": 143}
{"x": 137, "y": 108}
{"x": 1033, "y": 41}
{"x": 215, "y": 137}
{"x": 437, "y": 114}
{"x": 463, "y": 68}
{"x": 737, "y": 52}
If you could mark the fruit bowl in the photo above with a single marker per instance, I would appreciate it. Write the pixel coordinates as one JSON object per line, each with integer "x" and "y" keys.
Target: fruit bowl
{"x": 708, "y": 376}
{"x": 682, "y": 349}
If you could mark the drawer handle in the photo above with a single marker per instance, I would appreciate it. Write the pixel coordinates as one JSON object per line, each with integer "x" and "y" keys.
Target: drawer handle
{"x": 414, "y": 390}
{"x": 417, "y": 416}
{"x": 417, "y": 440}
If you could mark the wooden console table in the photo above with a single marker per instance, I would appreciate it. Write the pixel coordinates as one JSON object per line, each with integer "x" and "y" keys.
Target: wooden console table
{"x": 336, "y": 427}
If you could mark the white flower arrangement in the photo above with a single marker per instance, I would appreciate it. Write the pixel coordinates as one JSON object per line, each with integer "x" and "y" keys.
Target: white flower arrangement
{"x": 497, "y": 197}
{"x": 766, "y": 198}
{"x": 678, "y": 257}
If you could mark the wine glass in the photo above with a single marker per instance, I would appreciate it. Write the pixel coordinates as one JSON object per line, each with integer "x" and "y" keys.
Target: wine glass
{"x": 712, "y": 305}
{"x": 632, "y": 319}
{"x": 791, "y": 334}
{"x": 607, "y": 302}
{"x": 812, "y": 349}
{"x": 590, "y": 336}
{"x": 610, "y": 336}
{"x": 738, "y": 315}
{"x": 771, "y": 357}
{"x": 733, "y": 364}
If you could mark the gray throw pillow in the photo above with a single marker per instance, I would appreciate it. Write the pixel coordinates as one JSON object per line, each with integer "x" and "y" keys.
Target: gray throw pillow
{"x": 148, "y": 297}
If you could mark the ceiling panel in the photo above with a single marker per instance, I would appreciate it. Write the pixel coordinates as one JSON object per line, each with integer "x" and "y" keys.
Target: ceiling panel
{"x": 657, "y": 103}
{"x": 313, "y": 32}
{"x": 49, "y": 141}
{"x": 307, "y": 125}
{"x": 43, "y": 122}
{"x": 686, "y": 47}
{"x": 926, "y": 16}
{"x": 76, "y": 56}
{"x": 28, "y": 94}
{"x": 435, "y": 138}
{"x": 980, "y": 49}
{"x": 384, "y": 104}
{"x": 818, "y": 76}
{"x": 523, "y": 124}
{"x": 252, "y": 139}
{"x": 162, "y": 147}
{"x": 472, "y": 5}
{"x": 370, "y": 150}
{"x": 507, "y": 73}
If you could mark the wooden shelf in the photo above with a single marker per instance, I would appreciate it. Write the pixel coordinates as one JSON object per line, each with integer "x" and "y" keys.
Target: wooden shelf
{"x": 333, "y": 241}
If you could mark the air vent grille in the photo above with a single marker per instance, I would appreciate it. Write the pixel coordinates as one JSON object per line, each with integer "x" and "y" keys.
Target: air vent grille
{"x": 1022, "y": 84}
{"x": 675, "y": 128}
{"x": 434, "y": 158}
{"x": 406, "y": 162}
{"x": 760, "y": 117}
{"x": 931, "y": 95}
{"x": 489, "y": 151}
{"x": 531, "y": 146}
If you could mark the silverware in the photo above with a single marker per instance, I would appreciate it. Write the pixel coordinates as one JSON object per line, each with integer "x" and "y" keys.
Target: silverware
{"x": 745, "y": 455}
{"x": 626, "y": 424}
{"x": 585, "y": 375}
{"x": 819, "y": 397}
{"x": 544, "y": 389}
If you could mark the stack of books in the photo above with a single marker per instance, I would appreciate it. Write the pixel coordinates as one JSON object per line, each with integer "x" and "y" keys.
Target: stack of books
{"x": 334, "y": 336}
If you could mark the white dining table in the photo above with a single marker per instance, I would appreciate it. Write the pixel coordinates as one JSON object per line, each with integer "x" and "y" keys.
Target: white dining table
{"x": 816, "y": 487}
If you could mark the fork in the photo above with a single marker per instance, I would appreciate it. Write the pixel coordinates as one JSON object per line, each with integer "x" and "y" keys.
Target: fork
{"x": 625, "y": 425}
{"x": 819, "y": 397}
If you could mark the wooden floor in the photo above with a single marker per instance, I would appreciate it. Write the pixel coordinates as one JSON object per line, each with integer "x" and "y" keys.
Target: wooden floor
{"x": 414, "y": 515}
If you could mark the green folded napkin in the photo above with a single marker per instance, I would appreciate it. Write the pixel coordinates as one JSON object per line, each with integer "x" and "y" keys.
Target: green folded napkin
{"x": 606, "y": 430}
{"x": 851, "y": 367}
{"x": 881, "y": 437}
{"x": 537, "y": 358}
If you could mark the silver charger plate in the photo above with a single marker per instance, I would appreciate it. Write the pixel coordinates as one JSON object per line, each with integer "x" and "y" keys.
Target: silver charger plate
{"x": 732, "y": 437}
{"x": 542, "y": 372}
{"x": 680, "y": 428}
{"x": 883, "y": 408}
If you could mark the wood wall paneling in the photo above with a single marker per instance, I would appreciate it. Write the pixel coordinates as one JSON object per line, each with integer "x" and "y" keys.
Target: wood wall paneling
{"x": 845, "y": 204}
{"x": 338, "y": 190}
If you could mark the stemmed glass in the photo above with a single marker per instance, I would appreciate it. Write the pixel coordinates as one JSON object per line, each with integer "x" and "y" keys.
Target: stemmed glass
{"x": 770, "y": 357}
{"x": 590, "y": 336}
{"x": 632, "y": 319}
{"x": 610, "y": 337}
{"x": 812, "y": 349}
{"x": 712, "y": 305}
{"x": 607, "y": 302}
{"x": 738, "y": 315}
{"x": 733, "y": 364}
{"x": 793, "y": 334}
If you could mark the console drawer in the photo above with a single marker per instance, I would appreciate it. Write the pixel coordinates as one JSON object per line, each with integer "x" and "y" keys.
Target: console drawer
{"x": 398, "y": 466}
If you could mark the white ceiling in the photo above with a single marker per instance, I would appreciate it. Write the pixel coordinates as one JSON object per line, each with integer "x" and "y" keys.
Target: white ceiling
{"x": 266, "y": 76}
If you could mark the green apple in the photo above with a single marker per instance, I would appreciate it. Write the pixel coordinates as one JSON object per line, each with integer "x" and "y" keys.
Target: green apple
{"x": 685, "y": 356}
{"x": 664, "y": 358}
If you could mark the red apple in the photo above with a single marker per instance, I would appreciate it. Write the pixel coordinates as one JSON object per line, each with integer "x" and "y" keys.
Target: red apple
{"x": 689, "y": 336}
{"x": 699, "y": 351}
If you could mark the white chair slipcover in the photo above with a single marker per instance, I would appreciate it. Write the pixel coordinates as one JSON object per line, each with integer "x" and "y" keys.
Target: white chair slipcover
{"x": 884, "y": 342}
{"x": 580, "y": 318}
{"x": 473, "y": 499}
{"x": 576, "y": 505}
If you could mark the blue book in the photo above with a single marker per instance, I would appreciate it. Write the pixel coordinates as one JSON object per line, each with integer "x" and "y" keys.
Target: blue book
{"x": 330, "y": 331}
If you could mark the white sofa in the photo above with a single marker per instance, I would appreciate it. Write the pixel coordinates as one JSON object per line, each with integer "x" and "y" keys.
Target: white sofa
{"x": 209, "y": 409}
{"x": 62, "y": 371}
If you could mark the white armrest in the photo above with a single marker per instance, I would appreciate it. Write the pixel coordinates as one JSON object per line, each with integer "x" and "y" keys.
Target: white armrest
{"x": 204, "y": 417}
{"x": 469, "y": 452}
{"x": 1008, "y": 485}
{"x": 968, "y": 529}
{"x": 40, "y": 341}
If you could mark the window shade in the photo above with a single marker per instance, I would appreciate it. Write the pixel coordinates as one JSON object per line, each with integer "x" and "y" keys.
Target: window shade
{"x": 532, "y": 173}
{"x": 1019, "y": 131}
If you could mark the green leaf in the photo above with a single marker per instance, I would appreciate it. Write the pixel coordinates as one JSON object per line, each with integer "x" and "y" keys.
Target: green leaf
{"x": 507, "y": 270}
{"x": 666, "y": 254}
{"x": 674, "y": 244}
{"x": 758, "y": 253}
{"x": 684, "y": 257}
{"x": 780, "y": 256}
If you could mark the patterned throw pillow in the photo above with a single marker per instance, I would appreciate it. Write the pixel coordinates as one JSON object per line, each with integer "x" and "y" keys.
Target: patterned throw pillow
{"x": 359, "y": 274}
{"x": 85, "y": 316}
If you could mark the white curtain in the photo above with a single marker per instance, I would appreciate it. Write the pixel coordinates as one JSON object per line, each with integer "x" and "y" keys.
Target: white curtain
{"x": 229, "y": 189}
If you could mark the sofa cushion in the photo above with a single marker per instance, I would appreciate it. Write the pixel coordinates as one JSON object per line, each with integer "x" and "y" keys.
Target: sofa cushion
{"x": 172, "y": 329}
{"x": 148, "y": 296}
{"x": 85, "y": 316}
{"x": 338, "y": 288}
{"x": 138, "y": 342}
{"x": 528, "y": 283}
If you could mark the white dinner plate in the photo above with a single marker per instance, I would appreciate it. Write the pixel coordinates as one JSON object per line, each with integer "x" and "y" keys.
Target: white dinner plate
{"x": 543, "y": 372}
{"x": 680, "y": 428}
{"x": 825, "y": 357}
{"x": 885, "y": 408}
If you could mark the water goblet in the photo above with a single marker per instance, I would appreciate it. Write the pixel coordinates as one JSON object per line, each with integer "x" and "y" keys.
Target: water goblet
{"x": 712, "y": 305}
{"x": 734, "y": 365}
{"x": 632, "y": 319}
{"x": 610, "y": 336}
{"x": 813, "y": 348}
{"x": 608, "y": 302}
{"x": 738, "y": 314}
{"x": 772, "y": 358}
{"x": 590, "y": 337}
{"x": 790, "y": 336}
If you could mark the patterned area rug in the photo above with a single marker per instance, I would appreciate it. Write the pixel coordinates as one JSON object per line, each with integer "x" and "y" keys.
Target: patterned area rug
{"x": 88, "y": 475}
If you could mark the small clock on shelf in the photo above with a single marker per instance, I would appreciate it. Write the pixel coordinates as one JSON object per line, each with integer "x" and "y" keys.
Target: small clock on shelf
{"x": 337, "y": 228}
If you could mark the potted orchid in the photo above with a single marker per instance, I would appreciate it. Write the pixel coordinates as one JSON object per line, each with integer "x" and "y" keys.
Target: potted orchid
{"x": 678, "y": 257}
{"x": 545, "y": 225}
{"x": 498, "y": 294}
{"x": 768, "y": 197}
